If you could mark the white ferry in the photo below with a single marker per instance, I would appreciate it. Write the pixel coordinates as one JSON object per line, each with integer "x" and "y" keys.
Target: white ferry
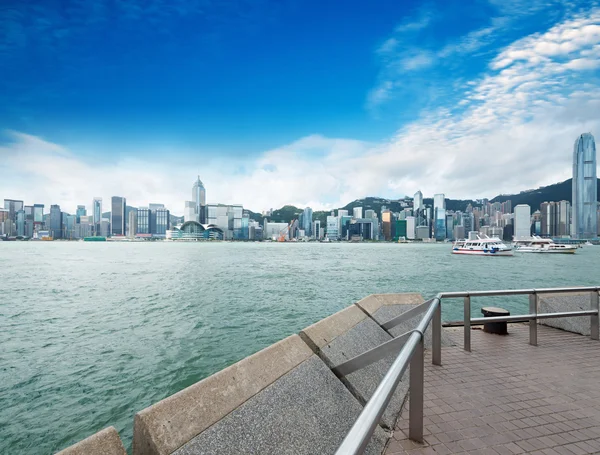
{"x": 486, "y": 246}
{"x": 537, "y": 244}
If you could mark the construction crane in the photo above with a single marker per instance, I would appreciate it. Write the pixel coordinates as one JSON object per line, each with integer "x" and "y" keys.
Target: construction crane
{"x": 284, "y": 232}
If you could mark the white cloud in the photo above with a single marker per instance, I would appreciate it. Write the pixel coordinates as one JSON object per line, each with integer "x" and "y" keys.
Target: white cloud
{"x": 513, "y": 129}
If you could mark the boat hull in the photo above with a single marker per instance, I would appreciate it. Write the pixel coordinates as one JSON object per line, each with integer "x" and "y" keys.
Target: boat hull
{"x": 551, "y": 251}
{"x": 482, "y": 253}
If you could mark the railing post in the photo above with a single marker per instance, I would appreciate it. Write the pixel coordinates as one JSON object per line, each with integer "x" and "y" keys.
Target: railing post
{"x": 533, "y": 309}
{"x": 436, "y": 329}
{"x": 467, "y": 323}
{"x": 417, "y": 376}
{"x": 595, "y": 318}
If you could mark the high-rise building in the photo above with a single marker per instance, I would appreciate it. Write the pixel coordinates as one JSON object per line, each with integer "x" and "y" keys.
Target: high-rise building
{"x": 56, "y": 222}
{"x": 132, "y": 224}
{"x": 307, "y": 220}
{"x": 522, "y": 222}
{"x": 189, "y": 213}
{"x": 97, "y": 213}
{"x": 162, "y": 221}
{"x": 316, "y": 229}
{"x": 418, "y": 201}
{"x": 68, "y": 225}
{"x": 357, "y": 212}
{"x": 199, "y": 199}
{"x": 370, "y": 213}
{"x": 410, "y": 227}
{"x": 13, "y": 206}
{"x": 386, "y": 221}
{"x": 81, "y": 211}
{"x": 20, "y": 222}
{"x": 118, "y": 222}
{"x": 104, "y": 227}
{"x": 563, "y": 218}
{"x": 143, "y": 220}
{"x": 585, "y": 189}
{"x": 332, "y": 227}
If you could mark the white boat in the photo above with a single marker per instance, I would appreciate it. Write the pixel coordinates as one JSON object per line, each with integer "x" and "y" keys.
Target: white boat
{"x": 588, "y": 243}
{"x": 482, "y": 246}
{"x": 537, "y": 244}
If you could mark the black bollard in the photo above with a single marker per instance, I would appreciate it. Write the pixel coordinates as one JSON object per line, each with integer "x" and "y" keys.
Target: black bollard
{"x": 499, "y": 328}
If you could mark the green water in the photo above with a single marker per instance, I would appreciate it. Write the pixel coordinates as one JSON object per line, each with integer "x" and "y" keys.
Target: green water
{"x": 90, "y": 333}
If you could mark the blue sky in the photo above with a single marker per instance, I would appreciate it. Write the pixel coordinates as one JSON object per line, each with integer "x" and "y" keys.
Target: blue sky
{"x": 310, "y": 103}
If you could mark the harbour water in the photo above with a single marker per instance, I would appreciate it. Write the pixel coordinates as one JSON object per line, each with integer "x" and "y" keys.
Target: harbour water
{"x": 90, "y": 333}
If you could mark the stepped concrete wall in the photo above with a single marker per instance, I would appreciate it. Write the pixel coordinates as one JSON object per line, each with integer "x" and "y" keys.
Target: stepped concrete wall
{"x": 345, "y": 335}
{"x": 554, "y": 303}
{"x": 281, "y": 400}
{"x": 105, "y": 442}
{"x": 384, "y": 307}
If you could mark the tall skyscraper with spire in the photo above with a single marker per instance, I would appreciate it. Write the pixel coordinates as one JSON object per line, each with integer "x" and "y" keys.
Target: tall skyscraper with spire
{"x": 199, "y": 199}
{"x": 585, "y": 189}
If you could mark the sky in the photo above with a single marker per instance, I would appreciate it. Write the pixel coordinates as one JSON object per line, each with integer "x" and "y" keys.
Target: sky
{"x": 308, "y": 103}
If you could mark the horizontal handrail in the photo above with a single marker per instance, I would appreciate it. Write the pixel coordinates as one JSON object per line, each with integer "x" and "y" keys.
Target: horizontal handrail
{"x": 526, "y": 317}
{"x": 451, "y": 295}
{"x": 360, "y": 434}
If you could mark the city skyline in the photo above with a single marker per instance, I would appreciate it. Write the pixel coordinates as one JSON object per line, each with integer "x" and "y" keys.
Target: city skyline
{"x": 411, "y": 99}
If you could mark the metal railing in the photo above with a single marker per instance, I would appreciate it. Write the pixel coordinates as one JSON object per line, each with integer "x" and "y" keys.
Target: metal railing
{"x": 411, "y": 345}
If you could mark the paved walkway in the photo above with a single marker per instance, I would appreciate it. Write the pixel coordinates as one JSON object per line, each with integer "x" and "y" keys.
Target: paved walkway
{"x": 507, "y": 397}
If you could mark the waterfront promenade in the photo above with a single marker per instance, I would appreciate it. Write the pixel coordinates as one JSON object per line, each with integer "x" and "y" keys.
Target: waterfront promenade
{"x": 508, "y": 397}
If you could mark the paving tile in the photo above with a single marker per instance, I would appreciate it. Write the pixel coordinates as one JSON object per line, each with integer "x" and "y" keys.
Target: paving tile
{"x": 507, "y": 397}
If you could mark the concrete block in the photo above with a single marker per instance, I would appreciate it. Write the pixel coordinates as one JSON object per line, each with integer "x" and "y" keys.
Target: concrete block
{"x": 384, "y": 307}
{"x": 307, "y": 411}
{"x": 362, "y": 383}
{"x": 374, "y": 302}
{"x": 105, "y": 442}
{"x": 345, "y": 335}
{"x": 555, "y": 303}
{"x": 169, "y": 424}
{"x": 326, "y": 330}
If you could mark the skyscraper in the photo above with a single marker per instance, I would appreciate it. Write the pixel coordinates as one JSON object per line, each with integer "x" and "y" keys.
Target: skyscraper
{"x": 357, "y": 212}
{"x": 97, "y": 212}
{"x": 81, "y": 211}
{"x": 199, "y": 199}
{"x": 418, "y": 201}
{"x": 307, "y": 221}
{"x": 132, "y": 225}
{"x": 439, "y": 212}
{"x": 118, "y": 222}
{"x": 55, "y": 222}
{"x": 522, "y": 221}
{"x": 585, "y": 189}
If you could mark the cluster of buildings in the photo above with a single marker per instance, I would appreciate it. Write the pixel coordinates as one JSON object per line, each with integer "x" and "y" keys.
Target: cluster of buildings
{"x": 416, "y": 220}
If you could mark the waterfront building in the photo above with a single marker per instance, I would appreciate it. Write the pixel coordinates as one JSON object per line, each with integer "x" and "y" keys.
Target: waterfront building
{"x": 340, "y": 214}
{"x": 459, "y": 232}
{"x": 228, "y": 218}
{"x": 194, "y": 231}
{"x": 55, "y": 225}
{"x": 162, "y": 221}
{"x": 85, "y": 227}
{"x": 400, "y": 230}
{"x": 143, "y": 220}
{"x": 189, "y": 213}
{"x": 357, "y": 212}
{"x": 449, "y": 225}
{"x": 410, "y": 227}
{"x": 274, "y": 230}
{"x": 316, "y": 229}
{"x": 422, "y": 232}
{"x": 563, "y": 215}
{"x": 118, "y": 222}
{"x": 20, "y": 222}
{"x": 332, "y": 227}
{"x": 13, "y": 206}
{"x": 585, "y": 189}
{"x": 81, "y": 211}
{"x": 522, "y": 228}
{"x": 361, "y": 228}
{"x": 68, "y": 226}
{"x": 4, "y": 220}
{"x": 345, "y": 223}
{"x": 104, "y": 227}
{"x": 97, "y": 213}
{"x": 440, "y": 223}
{"x": 307, "y": 221}
{"x": 199, "y": 199}
{"x": 386, "y": 222}
{"x": 418, "y": 201}
{"x": 132, "y": 224}
{"x": 439, "y": 201}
